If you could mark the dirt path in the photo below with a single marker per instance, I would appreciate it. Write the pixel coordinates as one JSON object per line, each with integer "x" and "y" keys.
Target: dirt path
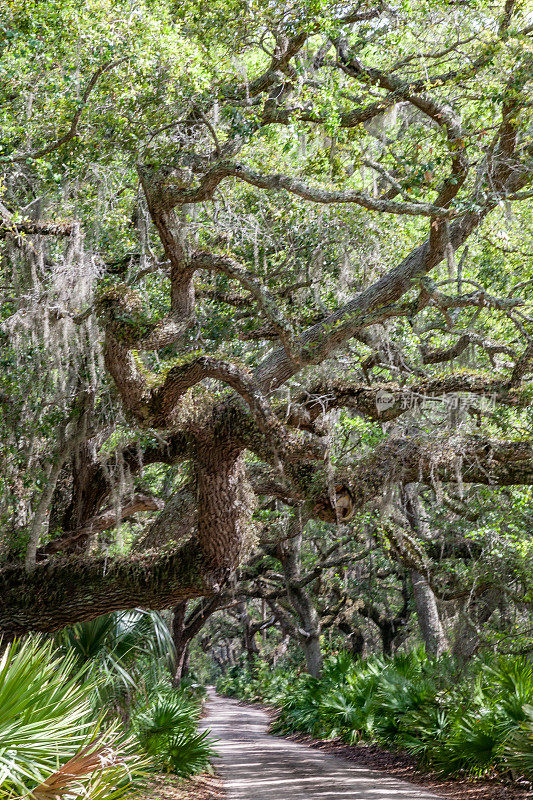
{"x": 257, "y": 766}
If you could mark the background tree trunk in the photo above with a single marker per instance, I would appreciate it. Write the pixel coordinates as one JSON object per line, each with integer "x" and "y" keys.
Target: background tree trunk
{"x": 428, "y": 615}
{"x": 354, "y": 638}
{"x": 427, "y": 610}
{"x": 181, "y": 644}
{"x": 309, "y": 630}
{"x": 313, "y": 654}
{"x": 471, "y": 618}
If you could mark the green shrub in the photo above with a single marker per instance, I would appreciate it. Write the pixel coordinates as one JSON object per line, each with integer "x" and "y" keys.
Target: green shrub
{"x": 167, "y": 731}
{"x": 518, "y": 754}
{"x": 111, "y": 647}
{"x": 49, "y": 737}
{"x": 472, "y": 721}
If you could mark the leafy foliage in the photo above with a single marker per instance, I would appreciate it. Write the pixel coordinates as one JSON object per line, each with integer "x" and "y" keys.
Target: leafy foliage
{"x": 519, "y": 746}
{"x": 127, "y": 657}
{"x": 474, "y": 722}
{"x": 312, "y": 210}
{"x": 111, "y": 648}
{"x": 49, "y": 736}
{"x": 167, "y": 731}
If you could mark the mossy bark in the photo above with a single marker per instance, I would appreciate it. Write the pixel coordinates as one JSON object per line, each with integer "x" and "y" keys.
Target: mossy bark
{"x": 59, "y": 593}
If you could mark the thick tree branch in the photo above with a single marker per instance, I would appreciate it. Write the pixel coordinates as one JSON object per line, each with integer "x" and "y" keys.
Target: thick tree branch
{"x": 455, "y": 459}
{"x": 77, "y": 538}
{"x": 15, "y": 228}
{"x": 61, "y": 592}
{"x": 388, "y": 401}
{"x": 229, "y": 169}
{"x": 374, "y": 303}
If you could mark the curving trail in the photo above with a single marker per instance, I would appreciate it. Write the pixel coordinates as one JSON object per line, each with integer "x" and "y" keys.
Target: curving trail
{"x": 257, "y": 766}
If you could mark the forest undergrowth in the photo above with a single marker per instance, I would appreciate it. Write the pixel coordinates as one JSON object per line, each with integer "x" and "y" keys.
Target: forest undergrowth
{"x": 94, "y": 714}
{"x": 468, "y": 722}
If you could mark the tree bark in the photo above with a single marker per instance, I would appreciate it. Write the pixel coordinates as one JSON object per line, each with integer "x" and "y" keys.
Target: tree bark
{"x": 61, "y": 592}
{"x": 309, "y": 629}
{"x": 427, "y": 610}
{"x": 180, "y": 641}
{"x": 313, "y": 652}
{"x": 471, "y": 618}
{"x": 389, "y": 627}
{"x": 185, "y": 627}
{"x": 78, "y": 538}
{"x": 428, "y": 615}
{"x": 222, "y": 520}
{"x": 89, "y": 488}
{"x": 249, "y": 636}
{"x": 354, "y": 636}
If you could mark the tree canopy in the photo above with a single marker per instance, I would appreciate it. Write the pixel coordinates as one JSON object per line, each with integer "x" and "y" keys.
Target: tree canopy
{"x": 266, "y": 273}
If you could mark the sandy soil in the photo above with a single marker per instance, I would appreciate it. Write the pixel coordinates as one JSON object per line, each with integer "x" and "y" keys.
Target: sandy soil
{"x": 404, "y": 767}
{"x": 169, "y": 787}
{"x": 255, "y": 765}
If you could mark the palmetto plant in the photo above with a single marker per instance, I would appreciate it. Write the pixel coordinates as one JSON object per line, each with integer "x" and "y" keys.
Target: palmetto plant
{"x": 111, "y": 644}
{"x": 98, "y": 772}
{"x": 167, "y": 731}
{"x": 424, "y": 731}
{"x": 50, "y": 743}
{"x": 124, "y": 653}
{"x": 475, "y": 721}
{"x": 474, "y": 745}
{"x": 518, "y": 755}
{"x": 511, "y": 685}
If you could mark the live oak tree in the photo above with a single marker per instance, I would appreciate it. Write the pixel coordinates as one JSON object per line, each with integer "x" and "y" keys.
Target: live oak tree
{"x": 252, "y": 254}
{"x": 452, "y": 572}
